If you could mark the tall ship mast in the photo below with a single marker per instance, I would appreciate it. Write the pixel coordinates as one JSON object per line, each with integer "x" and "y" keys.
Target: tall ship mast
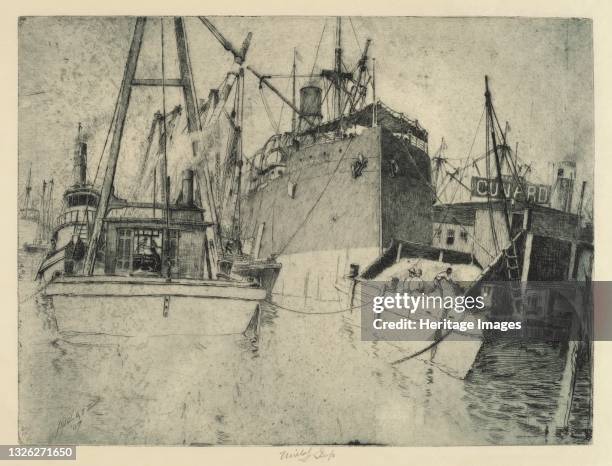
{"x": 333, "y": 191}
{"x": 28, "y": 213}
{"x": 36, "y": 219}
{"x": 27, "y": 210}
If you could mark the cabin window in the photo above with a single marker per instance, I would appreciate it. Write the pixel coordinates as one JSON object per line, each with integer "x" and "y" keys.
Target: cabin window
{"x": 464, "y": 236}
{"x": 450, "y": 237}
{"x": 82, "y": 199}
{"x": 534, "y": 300}
{"x": 147, "y": 250}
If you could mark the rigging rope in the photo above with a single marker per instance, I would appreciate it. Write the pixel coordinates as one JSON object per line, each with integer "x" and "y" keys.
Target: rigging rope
{"x": 314, "y": 63}
{"x": 110, "y": 127}
{"x": 297, "y": 311}
{"x": 355, "y": 34}
{"x": 268, "y": 111}
{"x": 165, "y": 140}
{"x": 433, "y": 190}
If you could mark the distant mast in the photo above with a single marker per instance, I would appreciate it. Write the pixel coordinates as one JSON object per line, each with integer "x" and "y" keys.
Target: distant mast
{"x": 28, "y": 191}
{"x": 294, "y": 115}
{"x": 338, "y": 67}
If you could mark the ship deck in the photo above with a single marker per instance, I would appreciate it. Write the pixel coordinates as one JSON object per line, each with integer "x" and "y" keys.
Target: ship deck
{"x": 130, "y": 286}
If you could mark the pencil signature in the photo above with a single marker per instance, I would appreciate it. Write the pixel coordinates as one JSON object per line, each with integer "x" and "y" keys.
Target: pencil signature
{"x": 307, "y": 454}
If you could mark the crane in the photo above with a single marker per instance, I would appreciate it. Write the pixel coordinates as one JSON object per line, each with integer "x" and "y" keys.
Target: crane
{"x": 239, "y": 55}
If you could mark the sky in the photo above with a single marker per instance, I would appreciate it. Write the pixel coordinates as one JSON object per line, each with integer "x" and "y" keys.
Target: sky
{"x": 431, "y": 69}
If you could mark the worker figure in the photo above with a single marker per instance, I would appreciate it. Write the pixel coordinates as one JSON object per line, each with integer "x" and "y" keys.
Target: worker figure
{"x": 233, "y": 246}
{"x": 416, "y": 284}
{"x": 392, "y": 287}
{"x": 52, "y": 246}
{"x": 407, "y": 282}
{"x": 443, "y": 276}
{"x": 156, "y": 266}
{"x": 79, "y": 254}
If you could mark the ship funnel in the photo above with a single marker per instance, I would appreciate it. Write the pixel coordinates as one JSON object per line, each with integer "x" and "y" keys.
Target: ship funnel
{"x": 79, "y": 169}
{"x": 564, "y": 174}
{"x": 187, "y": 187}
{"x": 310, "y": 106}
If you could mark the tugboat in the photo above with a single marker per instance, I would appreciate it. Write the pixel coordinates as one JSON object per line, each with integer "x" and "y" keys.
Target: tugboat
{"x": 119, "y": 284}
{"x": 79, "y": 203}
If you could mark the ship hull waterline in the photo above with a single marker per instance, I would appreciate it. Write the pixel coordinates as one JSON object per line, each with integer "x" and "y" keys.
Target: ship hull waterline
{"x": 148, "y": 307}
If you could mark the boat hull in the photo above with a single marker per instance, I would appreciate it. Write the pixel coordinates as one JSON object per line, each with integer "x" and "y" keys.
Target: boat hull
{"x": 153, "y": 307}
{"x": 453, "y": 352}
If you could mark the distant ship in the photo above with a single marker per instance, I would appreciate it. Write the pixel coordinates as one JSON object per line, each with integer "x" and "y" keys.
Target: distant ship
{"x": 29, "y": 214}
{"x": 44, "y": 222}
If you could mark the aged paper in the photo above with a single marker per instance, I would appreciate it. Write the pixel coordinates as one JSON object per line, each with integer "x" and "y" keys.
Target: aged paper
{"x": 379, "y": 148}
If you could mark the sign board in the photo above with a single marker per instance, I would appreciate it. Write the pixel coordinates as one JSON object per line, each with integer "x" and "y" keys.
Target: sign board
{"x": 513, "y": 189}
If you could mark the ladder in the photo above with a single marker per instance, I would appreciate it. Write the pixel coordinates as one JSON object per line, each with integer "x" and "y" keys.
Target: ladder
{"x": 514, "y": 277}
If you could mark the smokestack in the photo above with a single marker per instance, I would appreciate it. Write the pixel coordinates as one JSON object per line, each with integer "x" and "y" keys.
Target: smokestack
{"x": 563, "y": 185}
{"x": 79, "y": 170}
{"x": 187, "y": 187}
{"x": 310, "y": 105}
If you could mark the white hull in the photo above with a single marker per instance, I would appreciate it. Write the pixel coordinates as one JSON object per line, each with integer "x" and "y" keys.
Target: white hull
{"x": 130, "y": 307}
{"x": 50, "y": 265}
{"x": 453, "y": 352}
{"x": 312, "y": 275}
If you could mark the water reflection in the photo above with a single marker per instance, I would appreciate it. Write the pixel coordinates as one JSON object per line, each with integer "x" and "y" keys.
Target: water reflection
{"x": 308, "y": 379}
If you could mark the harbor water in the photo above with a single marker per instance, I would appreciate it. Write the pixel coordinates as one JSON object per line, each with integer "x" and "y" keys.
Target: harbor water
{"x": 309, "y": 380}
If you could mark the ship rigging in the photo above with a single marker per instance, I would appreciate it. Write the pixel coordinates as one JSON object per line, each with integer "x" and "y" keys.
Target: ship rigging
{"x": 120, "y": 264}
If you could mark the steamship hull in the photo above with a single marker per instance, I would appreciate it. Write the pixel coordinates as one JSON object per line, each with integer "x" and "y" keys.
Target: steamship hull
{"x": 317, "y": 216}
